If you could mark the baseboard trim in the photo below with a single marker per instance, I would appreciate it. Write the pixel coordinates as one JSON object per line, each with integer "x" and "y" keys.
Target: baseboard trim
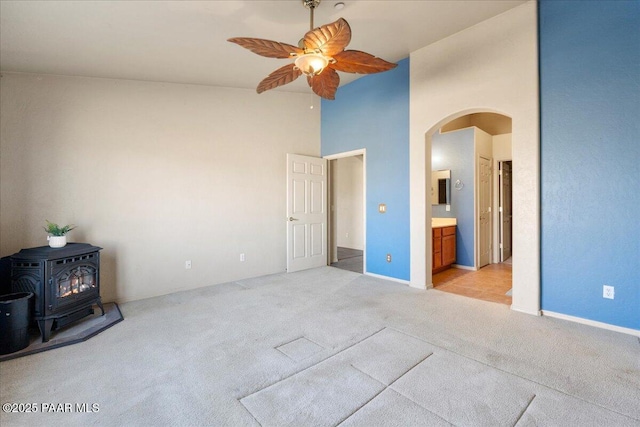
{"x": 522, "y": 310}
{"x": 464, "y": 267}
{"x": 594, "y": 323}
{"x": 393, "y": 279}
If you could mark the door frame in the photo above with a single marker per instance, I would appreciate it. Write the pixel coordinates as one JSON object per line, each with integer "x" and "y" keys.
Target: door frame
{"x": 501, "y": 164}
{"x": 331, "y": 241}
{"x": 478, "y": 228}
{"x": 496, "y": 204}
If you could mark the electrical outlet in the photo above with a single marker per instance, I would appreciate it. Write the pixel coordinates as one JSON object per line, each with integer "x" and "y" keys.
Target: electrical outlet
{"x": 242, "y": 257}
{"x": 187, "y": 264}
{"x": 608, "y": 292}
{"x": 388, "y": 257}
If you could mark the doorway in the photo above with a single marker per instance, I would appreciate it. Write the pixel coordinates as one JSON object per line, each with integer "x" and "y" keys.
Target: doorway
{"x": 347, "y": 187}
{"x": 475, "y": 141}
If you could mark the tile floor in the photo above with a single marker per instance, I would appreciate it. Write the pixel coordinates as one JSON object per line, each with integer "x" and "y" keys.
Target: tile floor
{"x": 490, "y": 283}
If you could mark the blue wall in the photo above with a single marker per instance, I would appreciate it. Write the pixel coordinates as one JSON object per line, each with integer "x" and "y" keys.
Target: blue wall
{"x": 373, "y": 113}
{"x": 590, "y": 154}
{"x": 455, "y": 151}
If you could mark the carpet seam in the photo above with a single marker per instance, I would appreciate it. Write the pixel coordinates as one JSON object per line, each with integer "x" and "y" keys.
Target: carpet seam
{"x": 315, "y": 364}
{"x": 318, "y": 344}
{"x": 524, "y": 410}
{"x": 411, "y": 369}
{"x": 288, "y": 342}
{"x": 249, "y": 412}
{"x": 296, "y": 339}
{"x": 285, "y": 355}
{"x": 516, "y": 375}
{"x": 420, "y": 405}
{"x": 388, "y": 387}
{"x": 365, "y": 403}
{"x": 409, "y": 398}
{"x": 401, "y": 375}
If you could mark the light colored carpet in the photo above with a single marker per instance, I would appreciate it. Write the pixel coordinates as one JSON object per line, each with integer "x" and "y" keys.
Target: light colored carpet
{"x": 328, "y": 347}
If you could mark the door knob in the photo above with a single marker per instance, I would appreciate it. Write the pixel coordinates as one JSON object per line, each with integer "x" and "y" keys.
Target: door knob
{"x": 292, "y": 219}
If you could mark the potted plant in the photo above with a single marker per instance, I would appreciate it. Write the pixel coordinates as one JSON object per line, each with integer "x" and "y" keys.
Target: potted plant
{"x": 57, "y": 235}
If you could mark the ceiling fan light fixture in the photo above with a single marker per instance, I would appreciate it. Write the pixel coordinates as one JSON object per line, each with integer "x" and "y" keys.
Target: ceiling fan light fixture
{"x": 320, "y": 54}
{"x": 311, "y": 64}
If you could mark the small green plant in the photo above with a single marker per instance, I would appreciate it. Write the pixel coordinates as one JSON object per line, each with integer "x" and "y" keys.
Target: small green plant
{"x": 56, "y": 230}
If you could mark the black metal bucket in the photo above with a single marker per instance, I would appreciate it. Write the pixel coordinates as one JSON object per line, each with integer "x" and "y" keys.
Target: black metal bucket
{"x": 14, "y": 321}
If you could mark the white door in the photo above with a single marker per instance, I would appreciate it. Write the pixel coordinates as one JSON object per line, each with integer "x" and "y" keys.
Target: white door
{"x": 484, "y": 209}
{"x": 505, "y": 211}
{"x": 306, "y": 212}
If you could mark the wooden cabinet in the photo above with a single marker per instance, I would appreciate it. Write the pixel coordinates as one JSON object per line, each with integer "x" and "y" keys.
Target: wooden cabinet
{"x": 437, "y": 249}
{"x": 448, "y": 245}
{"x": 444, "y": 248}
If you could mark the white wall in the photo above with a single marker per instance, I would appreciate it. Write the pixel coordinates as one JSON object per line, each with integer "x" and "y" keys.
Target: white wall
{"x": 492, "y": 67}
{"x": 154, "y": 173}
{"x": 349, "y": 202}
{"x": 483, "y": 144}
{"x": 502, "y": 147}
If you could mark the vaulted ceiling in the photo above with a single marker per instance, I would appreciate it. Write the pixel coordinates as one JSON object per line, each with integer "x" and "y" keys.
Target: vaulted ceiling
{"x": 185, "y": 41}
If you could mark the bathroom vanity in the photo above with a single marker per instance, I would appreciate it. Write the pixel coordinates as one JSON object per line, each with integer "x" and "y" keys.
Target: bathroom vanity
{"x": 444, "y": 243}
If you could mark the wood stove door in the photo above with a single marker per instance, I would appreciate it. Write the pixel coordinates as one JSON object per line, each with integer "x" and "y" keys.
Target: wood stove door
{"x": 73, "y": 283}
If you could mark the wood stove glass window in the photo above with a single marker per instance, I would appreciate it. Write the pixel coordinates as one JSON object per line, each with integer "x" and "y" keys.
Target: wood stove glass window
{"x": 76, "y": 281}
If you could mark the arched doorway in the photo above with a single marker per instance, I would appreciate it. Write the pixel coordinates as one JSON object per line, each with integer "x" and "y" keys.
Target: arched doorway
{"x": 481, "y": 70}
{"x": 525, "y": 285}
{"x": 469, "y": 152}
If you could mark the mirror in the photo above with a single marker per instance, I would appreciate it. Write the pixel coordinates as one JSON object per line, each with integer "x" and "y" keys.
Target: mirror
{"x": 441, "y": 187}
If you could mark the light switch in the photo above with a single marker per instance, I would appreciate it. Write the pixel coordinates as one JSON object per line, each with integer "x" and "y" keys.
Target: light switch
{"x": 382, "y": 208}
{"x": 448, "y": 208}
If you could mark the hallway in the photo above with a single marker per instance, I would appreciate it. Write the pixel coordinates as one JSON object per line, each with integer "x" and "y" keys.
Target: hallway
{"x": 349, "y": 259}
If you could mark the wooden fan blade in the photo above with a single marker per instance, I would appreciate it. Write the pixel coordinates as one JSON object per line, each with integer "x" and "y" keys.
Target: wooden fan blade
{"x": 330, "y": 39}
{"x": 279, "y": 77}
{"x": 267, "y": 48}
{"x": 325, "y": 84}
{"x": 354, "y": 61}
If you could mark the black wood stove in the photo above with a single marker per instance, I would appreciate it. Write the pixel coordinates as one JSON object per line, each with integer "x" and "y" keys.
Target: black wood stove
{"x": 65, "y": 283}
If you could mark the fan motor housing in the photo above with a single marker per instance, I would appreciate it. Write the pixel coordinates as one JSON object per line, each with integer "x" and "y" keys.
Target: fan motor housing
{"x": 311, "y": 4}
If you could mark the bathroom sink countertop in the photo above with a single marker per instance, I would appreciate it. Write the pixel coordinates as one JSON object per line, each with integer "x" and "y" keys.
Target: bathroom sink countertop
{"x": 443, "y": 222}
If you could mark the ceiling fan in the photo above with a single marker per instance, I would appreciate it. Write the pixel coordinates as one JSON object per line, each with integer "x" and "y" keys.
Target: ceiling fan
{"x": 319, "y": 54}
